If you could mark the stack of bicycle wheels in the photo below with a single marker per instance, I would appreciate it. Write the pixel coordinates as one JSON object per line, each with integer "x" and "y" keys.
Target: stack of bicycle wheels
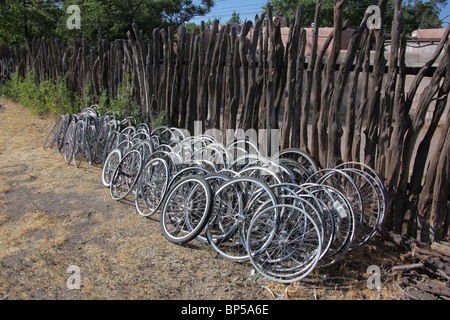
{"x": 283, "y": 214}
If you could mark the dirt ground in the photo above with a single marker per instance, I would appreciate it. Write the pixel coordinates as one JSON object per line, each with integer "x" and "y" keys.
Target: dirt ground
{"x": 54, "y": 215}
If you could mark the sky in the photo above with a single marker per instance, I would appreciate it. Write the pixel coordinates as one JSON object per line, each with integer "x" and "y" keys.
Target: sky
{"x": 223, "y": 10}
{"x": 247, "y": 9}
{"x": 445, "y": 15}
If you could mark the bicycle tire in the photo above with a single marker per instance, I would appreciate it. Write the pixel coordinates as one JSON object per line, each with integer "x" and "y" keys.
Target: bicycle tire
{"x": 126, "y": 175}
{"x": 152, "y": 187}
{"x": 182, "y": 217}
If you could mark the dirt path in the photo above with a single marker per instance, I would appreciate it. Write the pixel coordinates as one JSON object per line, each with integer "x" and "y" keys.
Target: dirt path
{"x": 53, "y": 216}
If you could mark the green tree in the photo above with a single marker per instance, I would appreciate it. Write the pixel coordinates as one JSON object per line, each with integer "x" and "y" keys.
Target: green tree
{"x": 26, "y": 19}
{"x": 416, "y": 13}
{"x": 422, "y": 15}
{"x": 288, "y": 9}
{"x": 235, "y": 18}
{"x": 113, "y": 18}
{"x": 190, "y": 27}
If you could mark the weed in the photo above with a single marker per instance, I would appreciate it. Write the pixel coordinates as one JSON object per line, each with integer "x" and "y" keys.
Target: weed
{"x": 54, "y": 97}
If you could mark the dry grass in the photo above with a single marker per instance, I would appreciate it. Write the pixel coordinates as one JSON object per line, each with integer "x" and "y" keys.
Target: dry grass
{"x": 53, "y": 215}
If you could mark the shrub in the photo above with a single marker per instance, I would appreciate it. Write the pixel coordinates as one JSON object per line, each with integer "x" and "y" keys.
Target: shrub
{"x": 54, "y": 97}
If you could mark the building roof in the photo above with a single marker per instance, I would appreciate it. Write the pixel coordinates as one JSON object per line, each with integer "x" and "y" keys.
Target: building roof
{"x": 428, "y": 33}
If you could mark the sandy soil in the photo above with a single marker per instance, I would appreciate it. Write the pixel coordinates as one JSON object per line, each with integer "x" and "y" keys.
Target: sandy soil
{"x": 53, "y": 215}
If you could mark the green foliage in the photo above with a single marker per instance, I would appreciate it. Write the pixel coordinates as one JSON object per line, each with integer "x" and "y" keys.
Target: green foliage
{"x": 422, "y": 15}
{"x": 124, "y": 104}
{"x": 53, "y": 97}
{"x": 288, "y": 8}
{"x": 190, "y": 27}
{"x": 159, "y": 120}
{"x": 21, "y": 20}
{"x": 86, "y": 99}
{"x": 235, "y": 18}
{"x": 416, "y": 13}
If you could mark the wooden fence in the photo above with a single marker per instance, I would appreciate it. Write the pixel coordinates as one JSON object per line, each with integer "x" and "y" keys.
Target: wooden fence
{"x": 252, "y": 80}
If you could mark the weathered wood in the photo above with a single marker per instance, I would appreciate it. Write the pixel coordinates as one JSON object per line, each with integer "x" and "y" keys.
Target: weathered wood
{"x": 170, "y": 66}
{"x": 275, "y": 70}
{"x": 156, "y": 38}
{"x": 433, "y": 288}
{"x": 259, "y": 105}
{"x": 350, "y": 118}
{"x": 218, "y": 97}
{"x": 400, "y": 120}
{"x": 139, "y": 69}
{"x": 412, "y": 134}
{"x": 205, "y": 77}
{"x": 407, "y": 267}
{"x": 328, "y": 91}
{"x": 360, "y": 112}
{"x": 243, "y": 60}
{"x": 419, "y": 295}
{"x": 177, "y": 78}
{"x": 440, "y": 249}
{"x": 300, "y": 114}
{"x": 292, "y": 51}
{"x": 306, "y": 103}
{"x": 317, "y": 111}
{"x": 236, "y": 75}
{"x": 422, "y": 226}
{"x": 163, "y": 76}
{"x": 439, "y": 206}
{"x": 264, "y": 71}
{"x": 437, "y": 265}
{"x": 425, "y": 69}
{"x": 334, "y": 124}
{"x": 423, "y": 150}
{"x": 248, "y": 106}
{"x": 231, "y": 97}
{"x": 426, "y": 277}
{"x": 371, "y": 131}
{"x": 422, "y": 253}
{"x": 149, "y": 116}
{"x": 215, "y": 79}
{"x": 387, "y": 99}
{"x": 189, "y": 110}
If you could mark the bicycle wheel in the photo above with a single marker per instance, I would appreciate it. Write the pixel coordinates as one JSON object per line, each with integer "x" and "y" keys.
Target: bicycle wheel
{"x": 335, "y": 204}
{"x": 347, "y": 186}
{"x": 371, "y": 202}
{"x": 300, "y": 174}
{"x": 262, "y": 173}
{"x": 284, "y": 243}
{"x": 168, "y": 157}
{"x": 69, "y": 142}
{"x": 186, "y": 210}
{"x": 378, "y": 184}
{"x": 110, "y": 166}
{"x": 152, "y": 187}
{"x": 236, "y": 202}
{"x": 52, "y": 137}
{"x": 111, "y": 143}
{"x": 81, "y": 146}
{"x": 300, "y": 196}
{"x": 301, "y": 157}
{"x": 103, "y": 132}
{"x": 215, "y": 180}
{"x": 313, "y": 206}
{"x": 126, "y": 175}
{"x": 60, "y": 135}
{"x": 188, "y": 171}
